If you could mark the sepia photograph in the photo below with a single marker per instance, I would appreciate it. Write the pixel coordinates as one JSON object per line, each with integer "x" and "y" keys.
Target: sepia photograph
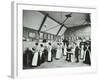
{"x": 56, "y": 39}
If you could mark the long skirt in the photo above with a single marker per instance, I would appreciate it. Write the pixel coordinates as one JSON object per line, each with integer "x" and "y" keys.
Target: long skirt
{"x": 82, "y": 54}
{"x": 58, "y": 54}
{"x": 73, "y": 58}
{"x": 87, "y": 58}
{"x": 68, "y": 57}
{"x": 42, "y": 57}
{"x": 65, "y": 51}
{"x": 53, "y": 51}
{"x": 36, "y": 59}
{"x": 49, "y": 56}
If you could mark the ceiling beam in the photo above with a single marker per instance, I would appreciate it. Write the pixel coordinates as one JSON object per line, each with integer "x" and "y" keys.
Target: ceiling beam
{"x": 44, "y": 13}
{"x": 42, "y": 23}
{"x": 83, "y": 25}
{"x": 60, "y": 29}
{"x": 61, "y": 26}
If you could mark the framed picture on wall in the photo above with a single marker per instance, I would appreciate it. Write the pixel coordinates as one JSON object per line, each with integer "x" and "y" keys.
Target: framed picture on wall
{"x": 52, "y": 37}
{"x": 41, "y": 35}
{"x": 49, "y": 36}
{"x": 34, "y": 17}
{"x": 32, "y": 35}
{"x": 45, "y": 36}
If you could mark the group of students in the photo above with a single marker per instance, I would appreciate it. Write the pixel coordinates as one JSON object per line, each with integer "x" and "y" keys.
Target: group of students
{"x": 45, "y": 52}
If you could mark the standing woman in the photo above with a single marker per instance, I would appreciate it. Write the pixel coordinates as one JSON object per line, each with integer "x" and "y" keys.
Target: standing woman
{"x": 36, "y": 57}
{"x": 73, "y": 51}
{"x": 69, "y": 53}
{"x": 41, "y": 51}
{"x": 65, "y": 50}
{"x": 77, "y": 52}
{"x": 82, "y": 51}
{"x": 87, "y": 55}
{"x": 49, "y": 53}
{"x": 58, "y": 54}
{"x": 61, "y": 46}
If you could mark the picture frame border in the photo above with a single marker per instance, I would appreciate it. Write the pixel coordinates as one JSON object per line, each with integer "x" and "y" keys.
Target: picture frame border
{"x": 16, "y": 71}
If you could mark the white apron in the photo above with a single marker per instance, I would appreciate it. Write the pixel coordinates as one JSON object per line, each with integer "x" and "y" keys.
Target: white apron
{"x": 58, "y": 54}
{"x": 49, "y": 54}
{"x": 65, "y": 51}
{"x": 73, "y": 56}
{"x": 35, "y": 59}
{"x": 82, "y": 54}
{"x": 60, "y": 51}
{"x": 41, "y": 52}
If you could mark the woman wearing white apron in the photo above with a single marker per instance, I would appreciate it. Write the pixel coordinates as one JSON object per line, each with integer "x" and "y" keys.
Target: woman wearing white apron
{"x": 49, "y": 53}
{"x": 82, "y": 52}
{"x": 73, "y": 51}
{"x": 65, "y": 50}
{"x": 41, "y": 51}
{"x": 58, "y": 54}
{"x": 36, "y": 57}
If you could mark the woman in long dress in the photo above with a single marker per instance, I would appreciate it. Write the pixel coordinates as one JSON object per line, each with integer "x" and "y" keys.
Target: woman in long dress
{"x": 61, "y": 46}
{"x": 54, "y": 49}
{"x": 87, "y": 56}
{"x": 69, "y": 53}
{"x": 58, "y": 54}
{"x": 65, "y": 50}
{"x": 82, "y": 52}
{"x": 73, "y": 51}
{"x": 27, "y": 58}
{"x": 49, "y": 53}
{"x": 36, "y": 57}
{"x": 41, "y": 51}
{"x": 77, "y": 52}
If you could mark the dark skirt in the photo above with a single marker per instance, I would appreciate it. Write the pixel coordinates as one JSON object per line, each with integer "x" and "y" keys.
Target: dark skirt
{"x": 39, "y": 60}
{"x": 87, "y": 58}
{"x": 43, "y": 58}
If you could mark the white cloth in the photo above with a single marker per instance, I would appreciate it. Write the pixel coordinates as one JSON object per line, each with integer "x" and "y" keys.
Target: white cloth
{"x": 60, "y": 50}
{"x": 65, "y": 51}
{"x": 49, "y": 53}
{"x": 41, "y": 51}
{"x": 35, "y": 59}
{"x": 82, "y": 53}
{"x": 58, "y": 54}
{"x": 73, "y": 56}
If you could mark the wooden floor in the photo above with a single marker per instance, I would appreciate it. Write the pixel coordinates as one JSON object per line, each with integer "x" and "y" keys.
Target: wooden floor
{"x": 62, "y": 63}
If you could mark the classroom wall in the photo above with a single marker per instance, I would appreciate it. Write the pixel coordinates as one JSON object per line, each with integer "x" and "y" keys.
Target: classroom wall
{"x": 30, "y": 42}
{"x": 78, "y": 32}
{"x": 26, "y": 32}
